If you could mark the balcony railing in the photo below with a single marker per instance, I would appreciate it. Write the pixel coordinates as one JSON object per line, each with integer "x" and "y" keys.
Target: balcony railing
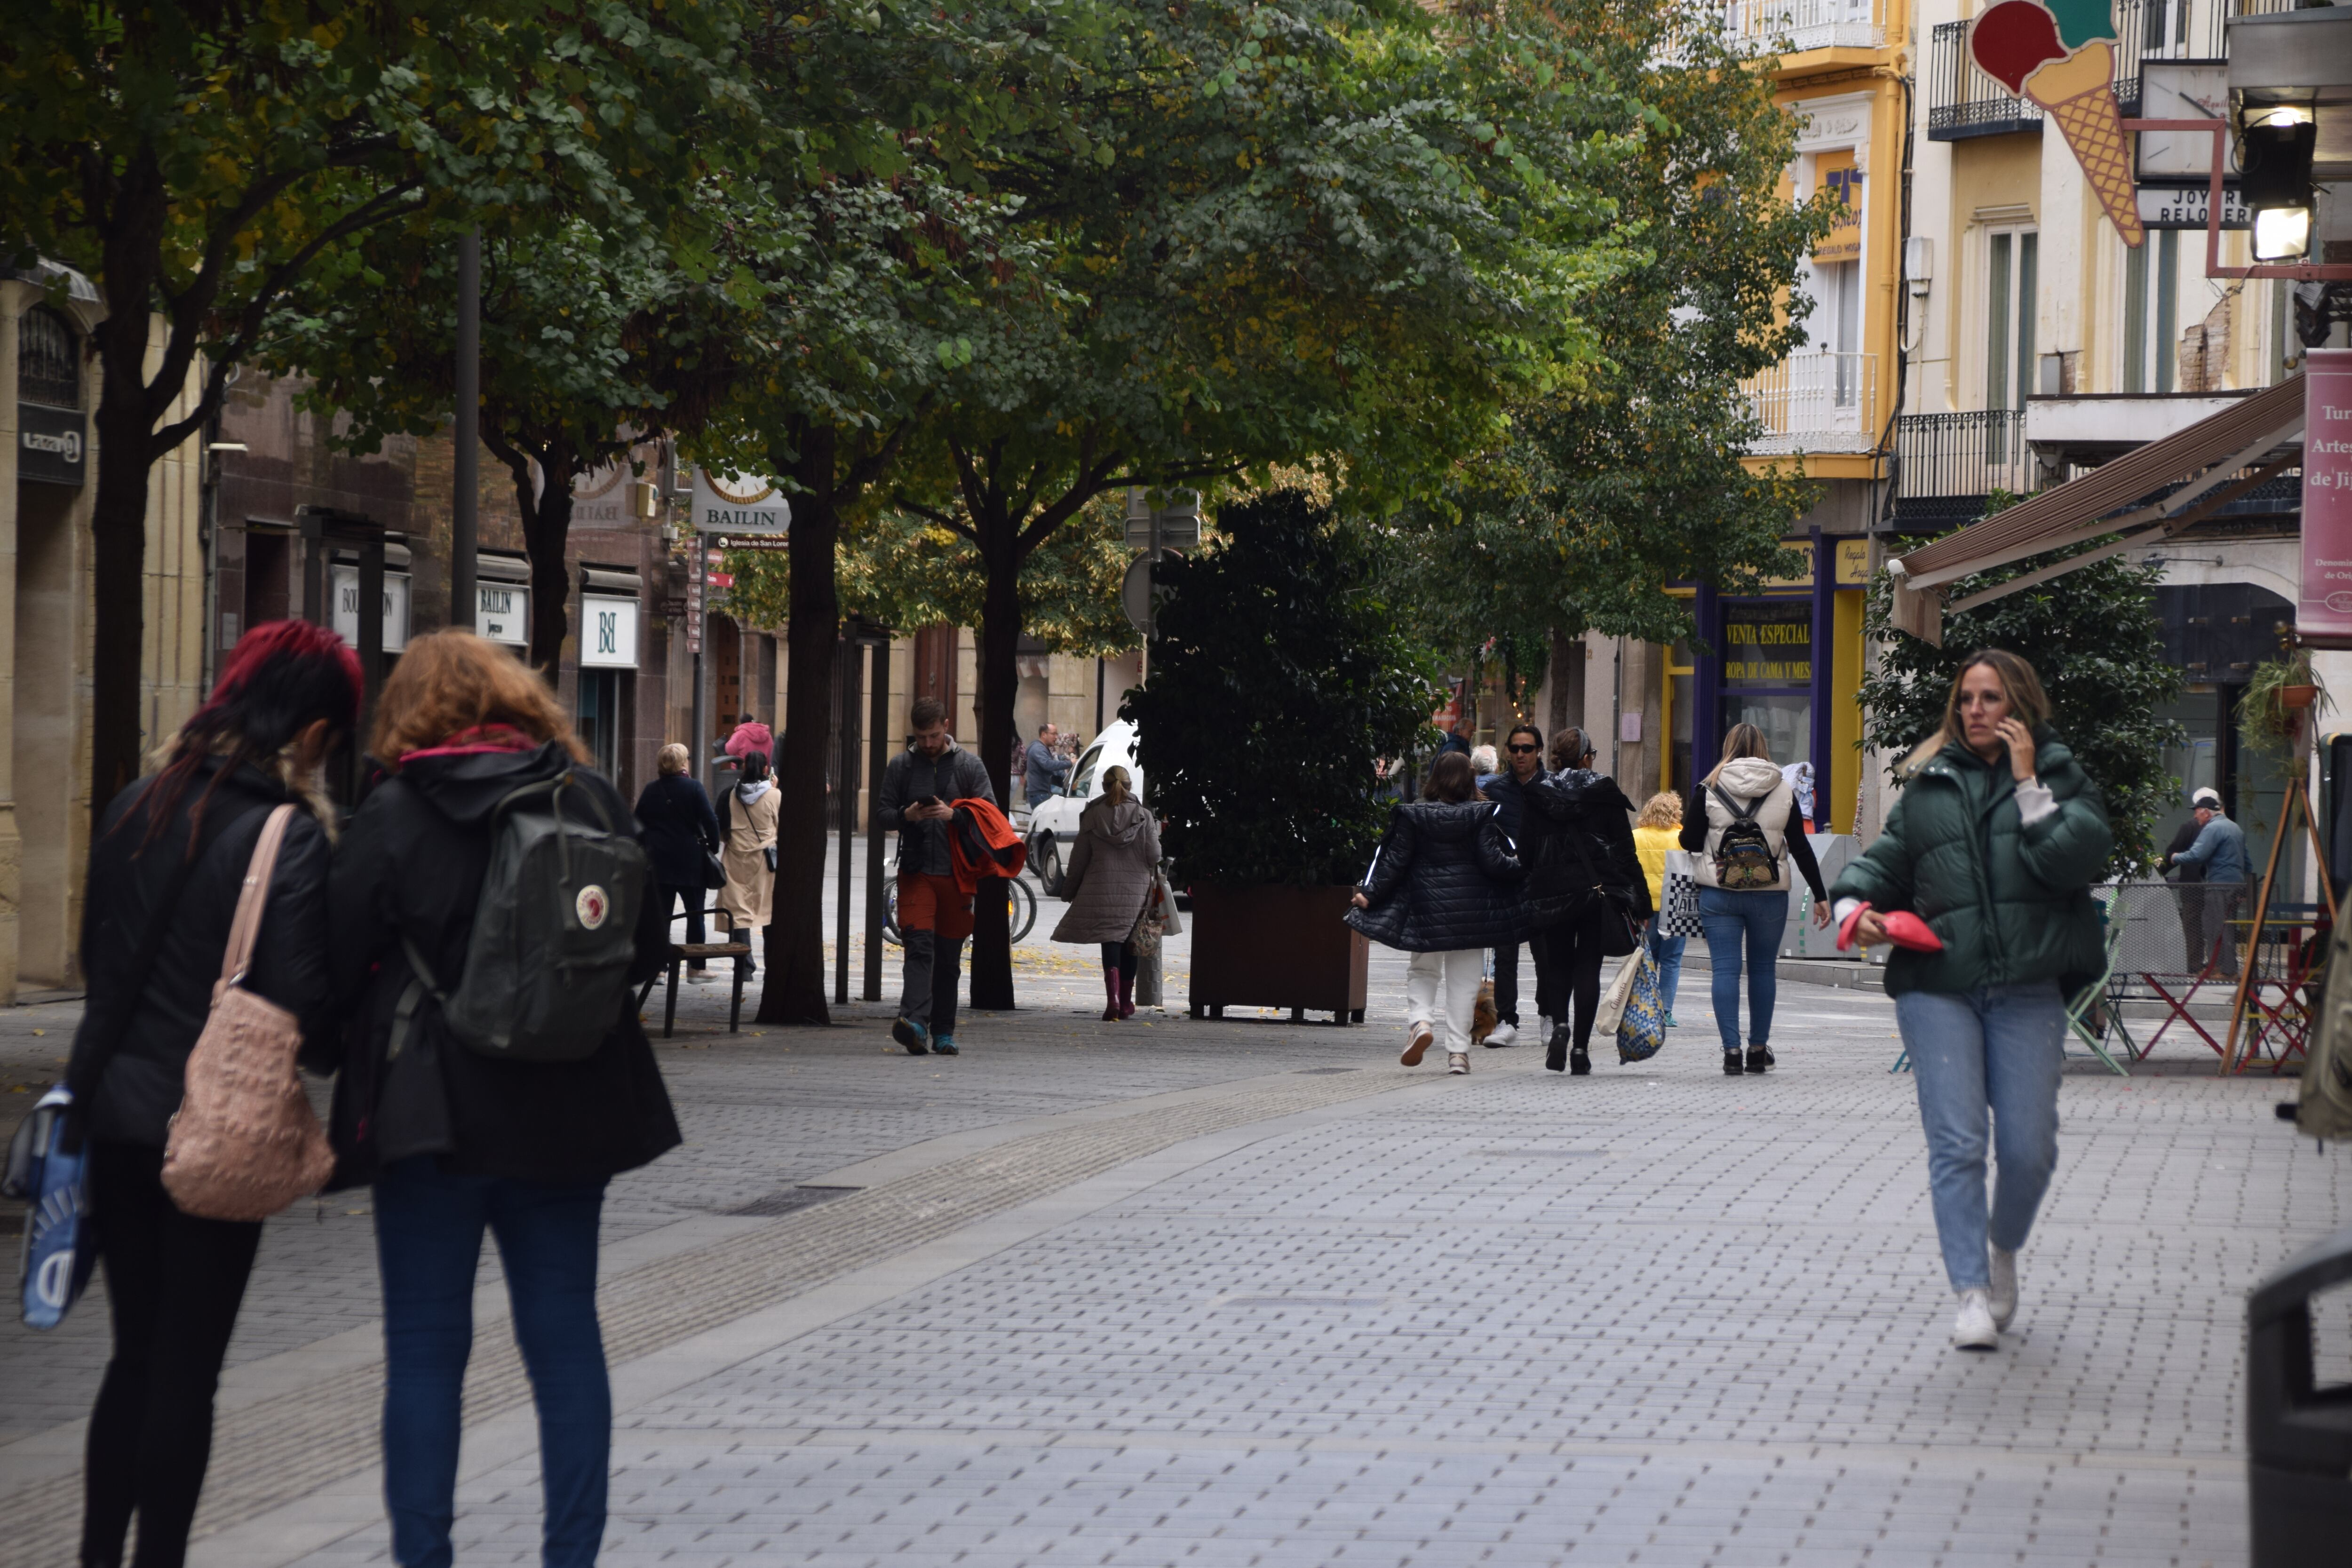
{"x": 1963, "y": 102}
{"x": 1796, "y": 25}
{"x": 1946, "y": 464}
{"x": 1816, "y": 402}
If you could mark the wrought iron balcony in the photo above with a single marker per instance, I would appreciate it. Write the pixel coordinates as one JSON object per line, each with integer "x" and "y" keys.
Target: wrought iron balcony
{"x": 1793, "y": 26}
{"x": 1963, "y": 102}
{"x": 1945, "y": 465}
{"x": 1816, "y": 402}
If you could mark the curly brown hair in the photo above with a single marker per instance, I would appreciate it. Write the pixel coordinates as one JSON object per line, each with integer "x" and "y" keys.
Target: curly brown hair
{"x": 449, "y": 682}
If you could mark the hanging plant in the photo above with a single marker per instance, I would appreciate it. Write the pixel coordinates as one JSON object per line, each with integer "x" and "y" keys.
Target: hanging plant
{"x": 2279, "y": 693}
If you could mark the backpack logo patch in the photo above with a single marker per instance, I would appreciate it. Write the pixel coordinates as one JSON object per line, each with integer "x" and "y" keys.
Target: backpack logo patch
{"x": 592, "y": 906}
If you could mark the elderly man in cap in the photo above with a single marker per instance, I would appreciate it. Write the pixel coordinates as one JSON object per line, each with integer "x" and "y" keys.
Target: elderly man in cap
{"x": 2219, "y": 852}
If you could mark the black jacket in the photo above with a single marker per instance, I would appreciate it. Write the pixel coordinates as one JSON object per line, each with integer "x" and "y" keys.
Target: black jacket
{"x": 413, "y": 861}
{"x": 1577, "y": 831}
{"x": 1444, "y": 879}
{"x": 1511, "y": 796}
{"x": 956, "y": 774}
{"x": 680, "y": 829}
{"x": 135, "y": 1099}
{"x": 2190, "y": 871}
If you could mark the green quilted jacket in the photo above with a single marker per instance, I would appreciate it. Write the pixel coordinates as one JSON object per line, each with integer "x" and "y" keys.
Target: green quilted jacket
{"x": 2011, "y": 901}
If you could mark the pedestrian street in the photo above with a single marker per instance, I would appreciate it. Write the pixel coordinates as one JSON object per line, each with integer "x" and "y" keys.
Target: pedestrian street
{"x": 1245, "y": 1291}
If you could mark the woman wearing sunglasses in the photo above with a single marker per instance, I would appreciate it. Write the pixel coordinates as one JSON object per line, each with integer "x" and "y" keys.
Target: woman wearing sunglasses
{"x": 1993, "y": 846}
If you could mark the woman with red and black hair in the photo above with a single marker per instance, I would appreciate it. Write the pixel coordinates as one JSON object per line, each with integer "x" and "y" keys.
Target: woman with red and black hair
{"x": 166, "y": 871}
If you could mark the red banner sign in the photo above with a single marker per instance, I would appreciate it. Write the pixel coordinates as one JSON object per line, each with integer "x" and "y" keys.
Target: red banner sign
{"x": 2324, "y": 603}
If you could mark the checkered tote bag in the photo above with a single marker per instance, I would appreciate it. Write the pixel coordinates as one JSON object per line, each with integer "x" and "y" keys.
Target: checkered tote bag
{"x": 1678, "y": 910}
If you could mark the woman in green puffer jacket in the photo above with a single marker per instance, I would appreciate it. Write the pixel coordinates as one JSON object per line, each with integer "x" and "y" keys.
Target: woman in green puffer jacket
{"x": 1995, "y": 843}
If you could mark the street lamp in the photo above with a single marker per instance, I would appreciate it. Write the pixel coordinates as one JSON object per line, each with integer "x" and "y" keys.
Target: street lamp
{"x": 2276, "y": 143}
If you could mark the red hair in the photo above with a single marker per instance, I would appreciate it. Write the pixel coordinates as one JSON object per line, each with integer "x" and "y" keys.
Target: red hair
{"x": 290, "y": 640}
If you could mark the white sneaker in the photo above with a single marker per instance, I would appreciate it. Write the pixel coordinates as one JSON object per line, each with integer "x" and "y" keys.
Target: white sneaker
{"x": 1501, "y": 1035}
{"x": 1457, "y": 1062}
{"x": 1417, "y": 1042}
{"x": 1543, "y": 1031}
{"x": 1973, "y": 1329}
{"x": 2004, "y": 1288}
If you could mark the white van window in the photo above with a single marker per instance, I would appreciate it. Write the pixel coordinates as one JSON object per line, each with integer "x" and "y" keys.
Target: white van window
{"x": 1082, "y": 777}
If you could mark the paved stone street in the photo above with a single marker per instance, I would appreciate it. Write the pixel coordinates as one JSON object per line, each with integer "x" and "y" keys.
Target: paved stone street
{"x": 1189, "y": 1291}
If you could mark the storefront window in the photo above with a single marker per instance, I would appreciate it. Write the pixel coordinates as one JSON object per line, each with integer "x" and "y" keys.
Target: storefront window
{"x": 1768, "y": 674}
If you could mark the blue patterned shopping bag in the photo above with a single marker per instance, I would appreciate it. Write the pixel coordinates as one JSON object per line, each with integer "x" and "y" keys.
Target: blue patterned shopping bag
{"x": 48, "y": 1167}
{"x": 1641, "y": 1028}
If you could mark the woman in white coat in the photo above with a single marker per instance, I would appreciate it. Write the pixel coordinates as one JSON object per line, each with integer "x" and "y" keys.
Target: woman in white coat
{"x": 1743, "y": 837}
{"x": 747, "y": 822}
{"x": 1109, "y": 883}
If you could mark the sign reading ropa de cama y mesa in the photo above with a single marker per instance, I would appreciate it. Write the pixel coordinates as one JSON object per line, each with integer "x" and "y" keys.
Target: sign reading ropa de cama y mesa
{"x": 732, "y": 503}
{"x": 2324, "y": 603}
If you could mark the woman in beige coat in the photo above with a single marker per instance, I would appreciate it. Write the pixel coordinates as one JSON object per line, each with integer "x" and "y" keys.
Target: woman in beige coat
{"x": 1109, "y": 883}
{"x": 747, "y": 821}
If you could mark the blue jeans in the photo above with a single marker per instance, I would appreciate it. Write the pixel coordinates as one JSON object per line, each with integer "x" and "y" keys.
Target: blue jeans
{"x": 1997, "y": 1050}
{"x": 428, "y": 1237}
{"x": 1668, "y": 952}
{"x": 1758, "y": 920}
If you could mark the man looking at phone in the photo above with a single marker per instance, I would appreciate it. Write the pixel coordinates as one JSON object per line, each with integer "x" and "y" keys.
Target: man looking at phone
{"x": 918, "y": 788}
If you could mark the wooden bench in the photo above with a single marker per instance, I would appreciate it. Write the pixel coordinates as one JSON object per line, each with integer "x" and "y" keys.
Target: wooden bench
{"x": 679, "y": 951}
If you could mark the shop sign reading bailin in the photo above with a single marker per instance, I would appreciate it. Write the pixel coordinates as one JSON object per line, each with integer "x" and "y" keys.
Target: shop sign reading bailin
{"x": 733, "y": 503}
{"x": 2324, "y": 602}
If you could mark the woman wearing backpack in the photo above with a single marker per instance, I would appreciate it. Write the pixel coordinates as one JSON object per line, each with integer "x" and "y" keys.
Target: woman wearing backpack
{"x": 1742, "y": 843}
{"x": 1585, "y": 890}
{"x": 1443, "y": 888}
{"x": 166, "y": 871}
{"x": 457, "y": 1139}
{"x": 748, "y": 823}
{"x": 1994, "y": 843}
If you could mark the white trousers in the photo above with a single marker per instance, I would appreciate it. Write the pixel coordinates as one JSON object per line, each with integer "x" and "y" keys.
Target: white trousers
{"x": 1462, "y": 972}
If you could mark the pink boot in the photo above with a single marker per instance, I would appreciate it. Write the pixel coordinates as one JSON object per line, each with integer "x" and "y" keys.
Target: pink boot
{"x": 1111, "y": 1014}
{"x": 1126, "y": 994}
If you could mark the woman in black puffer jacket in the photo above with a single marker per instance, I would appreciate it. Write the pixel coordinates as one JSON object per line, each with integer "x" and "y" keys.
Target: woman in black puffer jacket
{"x": 165, "y": 873}
{"x": 1585, "y": 888}
{"x": 1443, "y": 888}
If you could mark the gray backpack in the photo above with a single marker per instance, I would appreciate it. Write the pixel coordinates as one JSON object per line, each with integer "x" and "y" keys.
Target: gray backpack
{"x": 554, "y": 931}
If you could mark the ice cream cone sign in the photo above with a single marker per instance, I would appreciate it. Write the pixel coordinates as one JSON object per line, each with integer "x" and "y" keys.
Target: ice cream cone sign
{"x": 2061, "y": 54}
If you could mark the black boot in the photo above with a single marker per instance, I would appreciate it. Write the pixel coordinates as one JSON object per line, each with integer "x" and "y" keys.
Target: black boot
{"x": 1578, "y": 1063}
{"x": 1732, "y": 1067}
{"x": 1555, "y": 1050}
{"x": 1759, "y": 1058}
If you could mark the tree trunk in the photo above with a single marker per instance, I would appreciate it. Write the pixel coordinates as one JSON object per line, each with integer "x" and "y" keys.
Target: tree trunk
{"x": 119, "y": 534}
{"x": 793, "y": 991}
{"x": 1000, "y": 679}
{"x": 547, "y": 471}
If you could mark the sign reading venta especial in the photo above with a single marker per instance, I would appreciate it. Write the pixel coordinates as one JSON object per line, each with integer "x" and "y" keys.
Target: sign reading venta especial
{"x": 2324, "y": 603}
{"x": 731, "y": 504}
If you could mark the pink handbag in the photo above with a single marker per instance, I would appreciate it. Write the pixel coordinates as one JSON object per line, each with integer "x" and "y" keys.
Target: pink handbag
{"x": 245, "y": 1142}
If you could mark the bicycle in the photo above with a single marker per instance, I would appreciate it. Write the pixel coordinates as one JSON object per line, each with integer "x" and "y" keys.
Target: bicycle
{"x": 1022, "y": 913}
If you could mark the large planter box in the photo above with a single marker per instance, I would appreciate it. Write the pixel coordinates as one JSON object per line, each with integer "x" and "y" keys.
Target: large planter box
{"x": 1277, "y": 947}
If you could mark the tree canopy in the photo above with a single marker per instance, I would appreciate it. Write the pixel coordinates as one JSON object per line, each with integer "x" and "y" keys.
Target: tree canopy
{"x": 1612, "y": 486}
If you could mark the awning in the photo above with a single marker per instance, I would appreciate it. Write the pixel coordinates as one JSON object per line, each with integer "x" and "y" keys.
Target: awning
{"x": 2213, "y": 456}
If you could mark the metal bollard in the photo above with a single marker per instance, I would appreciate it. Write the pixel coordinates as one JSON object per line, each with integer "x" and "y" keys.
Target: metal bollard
{"x": 2298, "y": 1435}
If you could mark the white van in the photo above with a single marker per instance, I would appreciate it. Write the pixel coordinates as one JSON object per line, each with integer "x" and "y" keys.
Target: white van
{"x": 1054, "y": 825}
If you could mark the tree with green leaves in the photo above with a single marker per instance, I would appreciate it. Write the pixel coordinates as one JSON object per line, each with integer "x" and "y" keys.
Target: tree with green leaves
{"x": 1298, "y": 231}
{"x": 197, "y": 162}
{"x": 592, "y": 341}
{"x": 1627, "y": 477}
{"x": 2094, "y": 637}
{"x": 1280, "y": 678}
